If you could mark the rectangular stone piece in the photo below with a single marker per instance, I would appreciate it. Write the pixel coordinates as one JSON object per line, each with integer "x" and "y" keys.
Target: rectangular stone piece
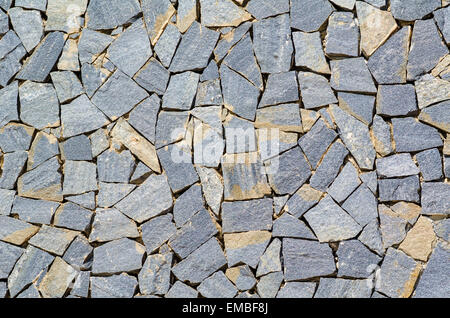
{"x": 246, "y": 216}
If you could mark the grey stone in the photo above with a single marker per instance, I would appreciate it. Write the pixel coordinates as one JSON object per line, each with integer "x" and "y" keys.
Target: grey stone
{"x": 246, "y": 247}
{"x": 91, "y": 44}
{"x": 242, "y": 277}
{"x": 280, "y": 88}
{"x": 15, "y": 231}
{"x": 272, "y": 141}
{"x": 7, "y": 198}
{"x": 53, "y": 240}
{"x": 28, "y": 26}
{"x": 434, "y": 281}
{"x": 181, "y": 91}
{"x": 4, "y": 22}
{"x": 212, "y": 13}
{"x": 116, "y": 286}
{"x": 388, "y": 63}
{"x": 209, "y": 144}
{"x": 442, "y": 229}
{"x": 5, "y": 4}
{"x": 170, "y": 127}
{"x": 396, "y": 100}
{"x": 377, "y": 3}
{"x": 381, "y": 136}
{"x": 27, "y": 269}
{"x": 297, "y": 290}
{"x": 401, "y": 189}
{"x": 351, "y": 75}
{"x": 104, "y": 14}
{"x": 67, "y": 85}
{"x": 11, "y": 64}
{"x": 270, "y": 261}
{"x": 413, "y": 10}
{"x": 315, "y": 90}
{"x": 57, "y": 280}
{"x": 195, "y": 48}
{"x": 154, "y": 77}
{"x": 447, "y": 167}
{"x": 329, "y": 167}
{"x": 246, "y": 216}
{"x": 79, "y": 177}
{"x": 431, "y": 90}
{"x": 309, "y": 15}
{"x": 69, "y": 60}
{"x": 200, "y": 264}
{"x": 441, "y": 16}
{"x": 411, "y": 135}
{"x": 392, "y": 226}
{"x": 343, "y": 288}
{"x": 342, "y": 35}
{"x": 8, "y": 111}
{"x": 110, "y": 224}
{"x": 240, "y": 135}
{"x": 209, "y": 93}
{"x": 437, "y": 115}
{"x": 306, "y": 259}
{"x": 156, "y": 190}
{"x": 269, "y": 285}
{"x": 30, "y": 292}
{"x": 362, "y": 205}
{"x": 93, "y": 76}
{"x": 217, "y": 286}
{"x": 247, "y": 295}
{"x": 434, "y": 198}
{"x": 355, "y": 260}
{"x": 118, "y": 95}
{"x": 10, "y": 255}
{"x": 290, "y": 226}
{"x": 427, "y": 48}
{"x": 186, "y": 14}
{"x": 32, "y": 4}
{"x": 330, "y": 222}
{"x": 167, "y": 44}
{"x": 272, "y": 44}
{"x": 302, "y": 200}
{"x": 81, "y": 285}
{"x": 212, "y": 186}
{"x": 356, "y": 137}
{"x": 12, "y": 165}
{"x": 115, "y": 167}
{"x": 76, "y": 148}
{"x": 279, "y": 203}
{"x": 111, "y": 193}
{"x": 81, "y": 116}
{"x": 309, "y": 52}
{"x": 43, "y": 182}
{"x": 398, "y": 274}
{"x": 261, "y": 9}
{"x": 140, "y": 173}
{"x": 211, "y": 72}
{"x": 231, "y": 38}
{"x": 157, "y": 231}
{"x": 39, "y": 105}
{"x": 122, "y": 255}
{"x": 72, "y": 216}
{"x": 77, "y": 254}
{"x": 187, "y": 204}
{"x": 44, "y": 57}
{"x": 360, "y": 106}
{"x": 34, "y": 211}
{"x": 86, "y": 200}
{"x": 154, "y": 277}
{"x": 345, "y": 183}
{"x": 181, "y": 290}
{"x": 8, "y": 43}
{"x": 371, "y": 237}
{"x": 400, "y": 165}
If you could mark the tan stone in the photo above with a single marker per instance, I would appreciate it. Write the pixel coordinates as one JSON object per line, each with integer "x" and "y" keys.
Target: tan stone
{"x": 376, "y": 26}
{"x": 443, "y": 66}
{"x": 309, "y": 118}
{"x": 407, "y": 211}
{"x": 447, "y": 145}
{"x": 185, "y": 16}
{"x": 419, "y": 240}
{"x": 431, "y": 90}
{"x": 57, "y": 280}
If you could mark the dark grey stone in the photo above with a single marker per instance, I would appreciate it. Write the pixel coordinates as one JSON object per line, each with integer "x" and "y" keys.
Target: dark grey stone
{"x": 413, "y": 10}
{"x": 154, "y": 277}
{"x": 396, "y": 100}
{"x": 8, "y": 111}
{"x": 400, "y": 189}
{"x": 217, "y": 286}
{"x": 10, "y": 255}
{"x": 315, "y": 90}
{"x": 116, "y": 286}
{"x": 435, "y": 198}
{"x": 157, "y": 231}
{"x": 170, "y": 127}
{"x": 400, "y": 165}
{"x": 110, "y": 224}
{"x": 246, "y": 247}
{"x": 381, "y": 136}
{"x": 105, "y": 14}
{"x": 297, "y": 290}
{"x": 442, "y": 18}
{"x": 113, "y": 166}
{"x": 7, "y": 198}
{"x": 181, "y": 290}
{"x": 153, "y": 77}
{"x": 351, "y": 75}
{"x": 437, "y": 115}
{"x": 309, "y": 15}
{"x": 231, "y": 38}
{"x": 76, "y": 148}
{"x": 67, "y": 85}
{"x": 79, "y": 177}
{"x": 269, "y": 285}
{"x": 246, "y": 216}
{"x": 53, "y": 240}
{"x": 242, "y": 277}
{"x": 410, "y": 135}
{"x": 355, "y": 260}
{"x": 72, "y": 216}
{"x": 342, "y": 35}
{"x": 280, "y": 88}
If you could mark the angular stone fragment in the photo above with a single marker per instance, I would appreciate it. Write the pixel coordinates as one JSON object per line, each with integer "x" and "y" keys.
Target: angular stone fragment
{"x": 401, "y": 189}
{"x": 315, "y": 90}
{"x": 67, "y": 85}
{"x": 270, "y": 261}
{"x": 116, "y": 286}
{"x": 309, "y": 52}
{"x": 11, "y": 64}
{"x": 8, "y": 110}
{"x": 91, "y": 44}
{"x": 342, "y": 35}
{"x": 419, "y": 240}
{"x": 7, "y": 198}
{"x": 230, "y": 39}
{"x": 297, "y": 290}
{"x": 441, "y": 16}
{"x": 269, "y": 285}
{"x": 241, "y": 276}
{"x": 154, "y": 277}
{"x": 398, "y": 274}
{"x": 76, "y": 148}
{"x": 261, "y": 9}
{"x": 240, "y": 135}
{"x": 247, "y": 216}
{"x": 73, "y": 217}
{"x": 195, "y": 48}
{"x": 181, "y": 290}
{"x": 8, "y": 43}
{"x": 413, "y": 10}
{"x": 302, "y": 200}
{"x": 111, "y": 225}
{"x": 289, "y": 226}
{"x": 77, "y": 254}
{"x": 34, "y": 211}
{"x": 435, "y": 198}
{"x": 437, "y": 115}
{"x": 111, "y": 193}
{"x": 15, "y": 231}
{"x": 209, "y": 93}
{"x": 272, "y": 44}
{"x": 28, "y": 26}
{"x": 280, "y": 88}
{"x": 27, "y": 269}
{"x": 12, "y": 166}
{"x": 221, "y": 13}
{"x": 44, "y": 182}
{"x": 44, "y": 57}
{"x": 107, "y": 14}
{"x": 115, "y": 167}
{"x": 396, "y": 100}
{"x": 212, "y": 186}
{"x": 371, "y": 237}
{"x": 157, "y": 14}
{"x": 157, "y": 231}
{"x": 362, "y": 205}
{"x": 316, "y": 142}
{"x": 153, "y": 77}
{"x": 306, "y": 259}
{"x": 355, "y": 260}
{"x": 204, "y": 261}
{"x": 308, "y": 15}
{"x": 392, "y": 226}
{"x": 156, "y": 190}
{"x": 217, "y": 286}
{"x": 343, "y": 288}
{"x": 170, "y": 127}
{"x": 186, "y": 14}
{"x": 181, "y": 91}
{"x": 167, "y": 43}
{"x": 400, "y": 165}
{"x": 431, "y": 90}
{"x": 143, "y": 117}
{"x": 53, "y": 240}
{"x": 65, "y": 15}
{"x": 411, "y": 135}
{"x": 356, "y": 137}
{"x": 187, "y": 204}
{"x": 4, "y": 23}
{"x": 79, "y": 177}
{"x": 81, "y": 284}
{"x": 345, "y": 183}
{"x": 69, "y": 57}
{"x": 351, "y": 75}
{"x": 246, "y": 247}
{"x": 57, "y": 280}
{"x": 426, "y": 50}
{"x": 10, "y": 255}
{"x": 381, "y": 136}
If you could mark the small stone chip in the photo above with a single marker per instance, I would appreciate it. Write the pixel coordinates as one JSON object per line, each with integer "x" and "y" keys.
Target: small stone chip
{"x": 242, "y": 277}
{"x": 381, "y": 136}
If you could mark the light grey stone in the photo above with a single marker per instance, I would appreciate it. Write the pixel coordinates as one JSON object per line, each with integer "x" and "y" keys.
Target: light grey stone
{"x": 240, "y": 135}
{"x": 433, "y": 198}
{"x": 381, "y": 136}
{"x": 396, "y": 100}
{"x": 72, "y": 216}
{"x": 34, "y": 211}
{"x": 297, "y": 290}
{"x": 8, "y": 111}
{"x": 53, "y": 240}
{"x": 362, "y": 205}
{"x": 111, "y": 193}
{"x": 400, "y": 165}
{"x": 411, "y": 135}
{"x": 309, "y": 15}
{"x": 351, "y": 75}
{"x": 181, "y": 290}
{"x": 290, "y": 226}
{"x": 342, "y": 35}
{"x": 315, "y": 90}
{"x": 441, "y": 16}
{"x": 246, "y": 247}
{"x": 79, "y": 177}
{"x": 280, "y": 88}
{"x": 355, "y": 260}
{"x": 116, "y": 286}
{"x": 167, "y": 44}
{"x": 226, "y": 43}
{"x": 104, "y": 14}
{"x": 154, "y": 277}
{"x": 157, "y": 231}
{"x": 181, "y": 91}
{"x": 115, "y": 167}
{"x": 413, "y": 10}
{"x": 343, "y": 288}
{"x": 217, "y": 286}
{"x": 309, "y": 52}
{"x": 67, "y": 85}
{"x": 7, "y": 198}
{"x": 242, "y": 277}
{"x": 28, "y": 26}
{"x": 86, "y": 200}
{"x": 154, "y": 77}
{"x": 76, "y": 148}
{"x": 371, "y": 237}
{"x": 12, "y": 165}
{"x": 345, "y": 183}
{"x": 360, "y": 106}
{"x": 269, "y": 285}
{"x": 170, "y": 127}
{"x": 110, "y": 224}
{"x": 246, "y": 216}
{"x": 10, "y": 255}
{"x": 78, "y": 253}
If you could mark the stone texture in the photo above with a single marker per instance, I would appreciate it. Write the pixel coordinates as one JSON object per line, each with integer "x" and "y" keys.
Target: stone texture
{"x": 315, "y": 90}
{"x": 342, "y": 35}
{"x": 308, "y": 16}
{"x": 309, "y": 52}
{"x": 351, "y": 75}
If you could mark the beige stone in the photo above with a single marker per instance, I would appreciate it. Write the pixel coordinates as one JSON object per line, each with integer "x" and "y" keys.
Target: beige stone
{"x": 407, "y": 211}
{"x": 447, "y": 145}
{"x": 443, "y": 66}
{"x": 58, "y": 279}
{"x": 431, "y": 90}
{"x": 309, "y": 118}
{"x": 222, "y": 13}
{"x": 419, "y": 240}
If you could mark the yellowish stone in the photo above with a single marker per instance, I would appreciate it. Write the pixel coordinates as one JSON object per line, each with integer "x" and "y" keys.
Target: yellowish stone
{"x": 420, "y": 239}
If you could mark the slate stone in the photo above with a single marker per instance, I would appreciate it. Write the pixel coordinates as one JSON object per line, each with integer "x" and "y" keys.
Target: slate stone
{"x": 410, "y": 135}
{"x": 212, "y": 186}
{"x": 57, "y": 280}
{"x": 72, "y": 216}
{"x": 297, "y": 290}
{"x": 211, "y": 72}
{"x": 427, "y": 49}
{"x": 115, "y": 286}
{"x": 442, "y": 229}
{"x": 115, "y": 167}
{"x": 200, "y": 264}
{"x": 400, "y": 165}
{"x": 212, "y": 13}
{"x": 157, "y": 14}
{"x": 5, "y": 4}
{"x": 398, "y": 274}
{"x": 156, "y": 190}
{"x": 360, "y": 106}
{"x": 270, "y": 261}
{"x": 11, "y": 64}
{"x": 104, "y": 14}
{"x": 247, "y": 216}
{"x": 34, "y": 211}
{"x": 28, "y": 26}
{"x": 111, "y": 193}
{"x": 44, "y": 182}
{"x": 195, "y": 48}
{"x": 355, "y": 136}
{"x": 32, "y": 4}
{"x": 407, "y": 211}
{"x": 433, "y": 198}
{"x": 12, "y": 166}
{"x": 4, "y": 23}
{"x": 345, "y": 183}
{"x": 154, "y": 277}
{"x": 141, "y": 172}
{"x": 246, "y": 247}
{"x": 209, "y": 144}
{"x": 86, "y": 200}
{"x": 231, "y": 38}
{"x": 272, "y": 142}
{"x": 30, "y": 292}
{"x": 76, "y": 148}
{"x": 10, "y": 255}
{"x": 209, "y": 93}
{"x": 441, "y": 16}
{"x": 261, "y": 9}
{"x": 351, "y": 75}
{"x": 396, "y": 100}
{"x": 7, "y": 198}
{"x": 81, "y": 116}
{"x": 342, "y": 35}
{"x": 370, "y": 180}
{"x": 79, "y": 177}
{"x": 269, "y": 285}
{"x": 431, "y": 90}
{"x": 308, "y": 16}
{"x": 309, "y": 52}
{"x": 343, "y": 288}
{"x": 381, "y": 136}
{"x": 181, "y": 290}
{"x": 401, "y": 189}
{"x": 437, "y": 115}
{"x": 302, "y": 200}
{"x": 316, "y": 142}
{"x": 167, "y": 44}
{"x": 91, "y": 44}
{"x": 27, "y": 269}
{"x": 153, "y": 77}
{"x": 68, "y": 60}
{"x": 413, "y": 10}
{"x": 362, "y": 205}
{"x": 272, "y": 44}
{"x": 122, "y": 255}
{"x": 110, "y": 224}
{"x": 288, "y": 172}
{"x": 371, "y": 237}
{"x": 181, "y": 91}
{"x": 388, "y": 63}
{"x": 240, "y": 135}
{"x": 392, "y": 226}
{"x": 289, "y": 226}
{"x": 211, "y": 116}
{"x": 118, "y": 95}
{"x": 242, "y": 277}
{"x": 355, "y": 260}
{"x": 44, "y": 57}
{"x": 447, "y": 166}
{"x": 315, "y": 90}
{"x": 186, "y": 14}
{"x": 280, "y": 88}
{"x": 67, "y": 85}
{"x": 329, "y": 167}
{"x": 8, "y": 111}
{"x": 157, "y": 231}
{"x": 8, "y": 43}
{"x": 217, "y": 286}
{"x": 306, "y": 259}
{"x": 52, "y": 239}
{"x": 93, "y": 76}
{"x": 78, "y": 253}
{"x": 81, "y": 284}
{"x": 170, "y": 127}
